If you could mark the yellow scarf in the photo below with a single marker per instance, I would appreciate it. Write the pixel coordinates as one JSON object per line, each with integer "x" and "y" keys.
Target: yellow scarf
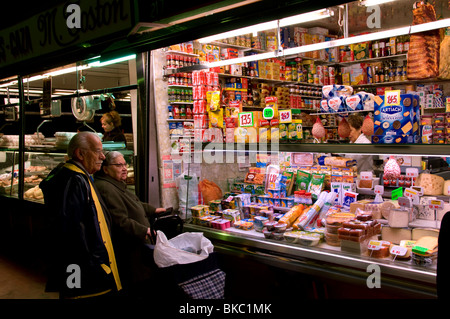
{"x": 103, "y": 229}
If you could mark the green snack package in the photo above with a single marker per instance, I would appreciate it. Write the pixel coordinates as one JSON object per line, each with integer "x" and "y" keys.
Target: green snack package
{"x": 303, "y": 180}
{"x": 316, "y": 185}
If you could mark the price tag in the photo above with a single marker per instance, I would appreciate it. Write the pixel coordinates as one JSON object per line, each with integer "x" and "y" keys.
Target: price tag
{"x": 374, "y": 245}
{"x": 379, "y": 189}
{"x": 392, "y": 97}
{"x": 396, "y": 193}
{"x": 436, "y": 204}
{"x": 405, "y": 202}
{"x": 268, "y": 113}
{"x": 418, "y": 189}
{"x": 398, "y": 250}
{"x": 246, "y": 119}
{"x": 366, "y": 176}
{"x": 285, "y": 116}
{"x": 412, "y": 172}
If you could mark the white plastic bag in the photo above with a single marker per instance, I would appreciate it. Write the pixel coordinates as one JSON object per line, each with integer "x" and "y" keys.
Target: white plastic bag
{"x": 187, "y": 186}
{"x": 185, "y": 248}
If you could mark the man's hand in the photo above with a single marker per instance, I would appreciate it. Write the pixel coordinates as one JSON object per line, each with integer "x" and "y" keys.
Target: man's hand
{"x": 160, "y": 210}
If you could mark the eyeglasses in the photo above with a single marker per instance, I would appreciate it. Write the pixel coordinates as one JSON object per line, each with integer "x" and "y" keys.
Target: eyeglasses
{"x": 119, "y": 165}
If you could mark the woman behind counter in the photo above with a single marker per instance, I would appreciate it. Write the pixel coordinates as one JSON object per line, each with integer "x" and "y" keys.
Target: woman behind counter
{"x": 111, "y": 124}
{"x": 130, "y": 221}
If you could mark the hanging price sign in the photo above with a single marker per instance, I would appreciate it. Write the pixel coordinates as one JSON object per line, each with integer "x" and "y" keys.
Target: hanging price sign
{"x": 285, "y": 116}
{"x": 246, "y": 119}
{"x": 392, "y": 97}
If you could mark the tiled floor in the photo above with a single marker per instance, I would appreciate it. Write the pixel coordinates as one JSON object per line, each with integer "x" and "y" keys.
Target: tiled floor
{"x": 21, "y": 282}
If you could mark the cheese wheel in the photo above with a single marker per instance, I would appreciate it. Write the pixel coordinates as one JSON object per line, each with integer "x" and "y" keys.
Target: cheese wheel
{"x": 386, "y": 207}
{"x": 446, "y": 188}
{"x": 432, "y": 184}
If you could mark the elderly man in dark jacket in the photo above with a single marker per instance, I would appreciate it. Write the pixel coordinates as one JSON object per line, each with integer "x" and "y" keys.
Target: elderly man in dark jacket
{"x": 83, "y": 262}
{"x": 130, "y": 220}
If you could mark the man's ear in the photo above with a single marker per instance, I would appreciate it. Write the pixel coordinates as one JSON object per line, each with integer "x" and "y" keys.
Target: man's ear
{"x": 79, "y": 154}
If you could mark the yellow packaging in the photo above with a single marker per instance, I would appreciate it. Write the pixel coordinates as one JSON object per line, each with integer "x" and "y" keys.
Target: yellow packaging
{"x": 216, "y": 118}
{"x": 295, "y": 131}
{"x": 214, "y": 100}
{"x": 245, "y": 135}
{"x": 275, "y": 133}
{"x": 272, "y": 101}
{"x": 283, "y": 132}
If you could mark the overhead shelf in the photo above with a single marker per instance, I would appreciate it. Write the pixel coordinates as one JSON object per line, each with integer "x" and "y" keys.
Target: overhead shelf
{"x": 374, "y": 149}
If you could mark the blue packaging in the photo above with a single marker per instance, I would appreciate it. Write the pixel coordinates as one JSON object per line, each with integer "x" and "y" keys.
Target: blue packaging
{"x": 354, "y": 102}
{"x": 395, "y": 120}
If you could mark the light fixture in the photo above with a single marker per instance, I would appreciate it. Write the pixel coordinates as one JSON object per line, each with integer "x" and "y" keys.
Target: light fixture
{"x": 369, "y": 3}
{"x": 339, "y": 42}
{"x": 300, "y": 18}
{"x": 121, "y": 59}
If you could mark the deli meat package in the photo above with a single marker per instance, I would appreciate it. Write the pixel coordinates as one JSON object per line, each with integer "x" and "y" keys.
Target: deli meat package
{"x": 424, "y": 48}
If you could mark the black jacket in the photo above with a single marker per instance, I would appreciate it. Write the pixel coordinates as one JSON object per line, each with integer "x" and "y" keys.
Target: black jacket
{"x": 75, "y": 234}
{"x": 116, "y": 135}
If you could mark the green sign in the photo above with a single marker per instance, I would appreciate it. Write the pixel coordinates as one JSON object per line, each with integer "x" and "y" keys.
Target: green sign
{"x": 397, "y": 193}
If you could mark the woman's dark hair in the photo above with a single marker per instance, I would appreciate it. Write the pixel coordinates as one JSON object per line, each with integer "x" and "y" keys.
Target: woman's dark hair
{"x": 355, "y": 121}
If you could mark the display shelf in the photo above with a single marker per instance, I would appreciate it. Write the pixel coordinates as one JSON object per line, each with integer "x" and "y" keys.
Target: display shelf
{"x": 181, "y": 53}
{"x": 234, "y": 46}
{"x": 337, "y": 148}
{"x": 269, "y": 80}
{"x": 327, "y": 259}
{"x": 345, "y": 112}
{"x": 389, "y": 57}
{"x": 180, "y": 120}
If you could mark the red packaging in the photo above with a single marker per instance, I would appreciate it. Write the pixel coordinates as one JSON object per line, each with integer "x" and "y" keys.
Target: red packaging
{"x": 229, "y": 135}
{"x": 199, "y": 92}
{"x": 200, "y": 121}
{"x": 199, "y": 107}
{"x": 198, "y": 77}
{"x": 212, "y": 78}
{"x": 199, "y": 135}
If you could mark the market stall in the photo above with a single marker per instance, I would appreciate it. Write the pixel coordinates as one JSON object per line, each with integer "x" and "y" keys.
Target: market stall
{"x": 259, "y": 155}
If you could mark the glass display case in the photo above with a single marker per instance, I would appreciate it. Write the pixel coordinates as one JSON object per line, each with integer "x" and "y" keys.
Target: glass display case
{"x": 259, "y": 101}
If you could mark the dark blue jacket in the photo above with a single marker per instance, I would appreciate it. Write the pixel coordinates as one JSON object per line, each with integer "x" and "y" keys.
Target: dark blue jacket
{"x": 76, "y": 234}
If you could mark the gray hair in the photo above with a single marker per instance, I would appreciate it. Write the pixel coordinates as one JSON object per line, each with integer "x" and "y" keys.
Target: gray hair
{"x": 79, "y": 140}
{"x": 110, "y": 156}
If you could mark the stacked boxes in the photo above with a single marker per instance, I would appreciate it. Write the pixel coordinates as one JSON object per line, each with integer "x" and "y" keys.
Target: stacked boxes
{"x": 396, "y": 123}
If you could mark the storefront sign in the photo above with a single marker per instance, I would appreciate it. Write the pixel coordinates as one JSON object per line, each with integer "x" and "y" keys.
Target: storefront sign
{"x": 48, "y": 32}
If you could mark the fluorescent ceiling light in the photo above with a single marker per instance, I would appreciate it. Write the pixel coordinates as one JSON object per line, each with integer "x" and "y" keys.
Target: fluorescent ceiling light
{"x": 306, "y": 17}
{"x": 247, "y": 58}
{"x": 300, "y": 18}
{"x": 339, "y": 42}
{"x": 369, "y": 3}
{"x": 121, "y": 59}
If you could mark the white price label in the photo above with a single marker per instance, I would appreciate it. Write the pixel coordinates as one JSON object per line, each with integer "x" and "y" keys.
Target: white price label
{"x": 379, "y": 189}
{"x": 246, "y": 119}
{"x": 392, "y": 97}
{"x": 412, "y": 172}
{"x": 410, "y": 192}
{"x": 436, "y": 204}
{"x": 405, "y": 202}
{"x": 398, "y": 250}
{"x": 374, "y": 245}
{"x": 285, "y": 116}
{"x": 366, "y": 176}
